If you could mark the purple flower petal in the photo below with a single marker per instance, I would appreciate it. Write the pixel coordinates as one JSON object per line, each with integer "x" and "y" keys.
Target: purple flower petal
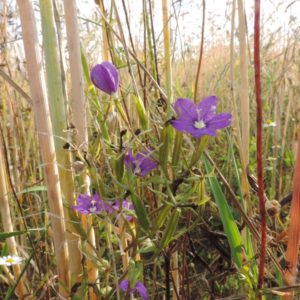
{"x": 126, "y": 205}
{"x": 184, "y": 125}
{"x": 200, "y": 119}
{"x": 142, "y": 164}
{"x": 145, "y": 163}
{"x": 186, "y": 109}
{"x": 106, "y": 207}
{"x": 105, "y": 77}
{"x": 220, "y": 121}
{"x": 203, "y": 131}
{"x": 87, "y": 204}
{"x": 141, "y": 289}
{"x": 208, "y": 107}
{"x": 124, "y": 285}
{"x": 129, "y": 161}
{"x": 91, "y": 205}
{"x": 208, "y": 102}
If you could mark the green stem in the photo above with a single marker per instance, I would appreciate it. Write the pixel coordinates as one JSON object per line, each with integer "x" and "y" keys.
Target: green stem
{"x": 201, "y": 144}
{"x": 109, "y": 242}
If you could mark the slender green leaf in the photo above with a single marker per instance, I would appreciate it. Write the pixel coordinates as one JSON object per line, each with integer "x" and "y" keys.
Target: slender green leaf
{"x": 33, "y": 189}
{"x": 166, "y": 138}
{"x": 231, "y": 230}
{"x": 5, "y": 235}
{"x": 140, "y": 108}
{"x": 170, "y": 229}
{"x": 140, "y": 211}
{"x": 160, "y": 220}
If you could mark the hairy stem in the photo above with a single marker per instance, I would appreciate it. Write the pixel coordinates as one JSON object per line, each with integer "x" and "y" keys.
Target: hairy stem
{"x": 259, "y": 144}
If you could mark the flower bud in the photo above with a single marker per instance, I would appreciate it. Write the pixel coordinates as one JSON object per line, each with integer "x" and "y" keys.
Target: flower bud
{"x": 105, "y": 77}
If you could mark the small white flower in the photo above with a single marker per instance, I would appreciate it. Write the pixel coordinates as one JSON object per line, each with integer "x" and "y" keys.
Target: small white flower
{"x": 10, "y": 260}
{"x": 269, "y": 123}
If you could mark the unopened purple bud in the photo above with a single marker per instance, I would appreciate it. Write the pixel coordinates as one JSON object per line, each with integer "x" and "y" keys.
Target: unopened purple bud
{"x": 105, "y": 77}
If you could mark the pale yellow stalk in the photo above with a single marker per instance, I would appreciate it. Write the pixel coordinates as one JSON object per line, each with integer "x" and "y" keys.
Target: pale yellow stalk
{"x": 46, "y": 142}
{"x": 168, "y": 66}
{"x": 21, "y": 290}
{"x": 244, "y": 98}
{"x": 58, "y": 115}
{"x": 167, "y": 55}
{"x": 287, "y": 118}
{"x": 244, "y": 124}
{"x": 78, "y": 107}
{"x": 105, "y": 47}
{"x": 292, "y": 252}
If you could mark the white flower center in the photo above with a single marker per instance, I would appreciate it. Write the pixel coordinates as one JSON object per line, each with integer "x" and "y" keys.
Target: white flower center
{"x": 137, "y": 170}
{"x": 199, "y": 124}
{"x": 93, "y": 209}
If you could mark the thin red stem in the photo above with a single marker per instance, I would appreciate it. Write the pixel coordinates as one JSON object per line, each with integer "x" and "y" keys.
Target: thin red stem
{"x": 259, "y": 144}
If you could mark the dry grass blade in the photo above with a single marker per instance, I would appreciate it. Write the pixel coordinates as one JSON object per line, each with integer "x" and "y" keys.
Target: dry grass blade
{"x": 244, "y": 98}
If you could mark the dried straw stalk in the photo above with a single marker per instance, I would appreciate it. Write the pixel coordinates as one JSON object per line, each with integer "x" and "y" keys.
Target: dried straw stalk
{"x": 45, "y": 137}
{"x": 21, "y": 290}
{"x": 291, "y": 257}
{"x": 169, "y": 134}
{"x": 167, "y": 55}
{"x": 105, "y": 47}
{"x": 78, "y": 107}
{"x": 58, "y": 117}
{"x": 259, "y": 145}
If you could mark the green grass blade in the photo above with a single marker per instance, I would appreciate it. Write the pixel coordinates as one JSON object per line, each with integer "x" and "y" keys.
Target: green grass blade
{"x": 170, "y": 229}
{"x": 5, "y": 235}
{"x": 141, "y": 212}
{"x": 233, "y": 235}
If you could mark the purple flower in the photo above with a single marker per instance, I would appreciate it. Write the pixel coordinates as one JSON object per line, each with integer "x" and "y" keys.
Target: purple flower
{"x": 92, "y": 205}
{"x": 126, "y": 205}
{"x": 139, "y": 287}
{"x": 105, "y": 77}
{"x": 141, "y": 164}
{"x": 200, "y": 119}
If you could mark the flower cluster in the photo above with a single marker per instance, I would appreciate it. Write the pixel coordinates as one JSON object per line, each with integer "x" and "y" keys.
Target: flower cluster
{"x": 196, "y": 119}
{"x": 95, "y": 205}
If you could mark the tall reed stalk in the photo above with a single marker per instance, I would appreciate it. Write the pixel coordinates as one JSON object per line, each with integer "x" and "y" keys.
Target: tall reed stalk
{"x": 292, "y": 252}
{"x": 58, "y": 117}
{"x": 21, "y": 290}
{"x": 78, "y": 108}
{"x": 105, "y": 47}
{"x": 167, "y": 55}
{"x": 46, "y": 142}
{"x": 168, "y": 132}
